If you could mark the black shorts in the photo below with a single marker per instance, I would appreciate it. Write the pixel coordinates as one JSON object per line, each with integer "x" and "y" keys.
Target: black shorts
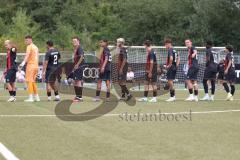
{"x": 171, "y": 73}
{"x": 52, "y": 75}
{"x": 105, "y": 76}
{"x": 231, "y": 76}
{"x": 11, "y": 76}
{"x": 153, "y": 79}
{"x": 209, "y": 74}
{"x": 220, "y": 76}
{"x": 78, "y": 74}
{"x": 192, "y": 73}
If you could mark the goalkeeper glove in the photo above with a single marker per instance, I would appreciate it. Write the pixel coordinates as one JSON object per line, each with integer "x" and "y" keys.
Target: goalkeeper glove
{"x": 22, "y": 64}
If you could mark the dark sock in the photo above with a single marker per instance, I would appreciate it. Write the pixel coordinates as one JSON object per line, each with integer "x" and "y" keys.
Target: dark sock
{"x": 154, "y": 93}
{"x": 56, "y": 93}
{"x": 11, "y": 93}
{"x": 190, "y": 91}
{"x": 213, "y": 87}
{"x": 172, "y": 93}
{"x": 195, "y": 92}
{"x": 78, "y": 91}
{"x": 108, "y": 94}
{"x": 125, "y": 89}
{"x": 98, "y": 93}
{"x": 49, "y": 94}
{"x": 123, "y": 93}
{"x": 205, "y": 85}
{"x": 145, "y": 93}
{"x": 225, "y": 85}
{"x": 232, "y": 89}
{"x": 14, "y": 93}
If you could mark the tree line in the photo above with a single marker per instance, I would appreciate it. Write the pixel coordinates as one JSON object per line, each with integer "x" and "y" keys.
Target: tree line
{"x": 59, "y": 20}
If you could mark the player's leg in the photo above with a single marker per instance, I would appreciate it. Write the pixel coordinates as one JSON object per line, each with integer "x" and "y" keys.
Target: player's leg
{"x": 232, "y": 86}
{"x": 154, "y": 87}
{"x": 78, "y": 84}
{"x": 125, "y": 91}
{"x": 35, "y": 88}
{"x": 190, "y": 76}
{"x": 98, "y": 90}
{"x": 205, "y": 85}
{"x": 49, "y": 90}
{"x": 54, "y": 86}
{"x": 172, "y": 91}
{"x": 108, "y": 85}
{"x": 195, "y": 86}
{"x": 213, "y": 89}
{"x": 10, "y": 80}
{"x": 146, "y": 89}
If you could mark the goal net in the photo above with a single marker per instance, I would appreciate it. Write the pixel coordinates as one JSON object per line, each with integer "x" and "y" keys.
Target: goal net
{"x": 137, "y": 59}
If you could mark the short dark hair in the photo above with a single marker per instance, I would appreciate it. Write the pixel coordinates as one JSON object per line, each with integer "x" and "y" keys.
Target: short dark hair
{"x": 50, "y": 43}
{"x": 229, "y": 48}
{"x": 168, "y": 40}
{"x": 104, "y": 40}
{"x": 28, "y": 37}
{"x": 209, "y": 43}
{"x": 76, "y": 37}
{"x": 148, "y": 43}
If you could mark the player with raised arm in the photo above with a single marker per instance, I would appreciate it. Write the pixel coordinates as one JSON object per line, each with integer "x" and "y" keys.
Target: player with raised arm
{"x": 151, "y": 73}
{"x": 78, "y": 69}
{"x": 173, "y": 61}
{"x": 51, "y": 70}
{"x": 105, "y": 70}
{"x": 229, "y": 73}
{"x": 11, "y": 70}
{"x": 31, "y": 59}
{"x": 122, "y": 68}
{"x": 210, "y": 72}
{"x": 192, "y": 71}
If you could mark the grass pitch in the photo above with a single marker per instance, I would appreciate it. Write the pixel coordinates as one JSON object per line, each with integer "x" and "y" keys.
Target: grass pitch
{"x": 32, "y": 131}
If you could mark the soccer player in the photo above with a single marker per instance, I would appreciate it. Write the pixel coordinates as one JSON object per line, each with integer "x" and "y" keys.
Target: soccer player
{"x": 51, "y": 70}
{"x": 105, "y": 70}
{"x": 151, "y": 73}
{"x": 78, "y": 69}
{"x": 11, "y": 70}
{"x": 31, "y": 59}
{"x": 229, "y": 73}
{"x": 173, "y": 61}
{"x": 122, "y": 67}
{"x": 192, "y": 71}
{"x": 210, "y": 72}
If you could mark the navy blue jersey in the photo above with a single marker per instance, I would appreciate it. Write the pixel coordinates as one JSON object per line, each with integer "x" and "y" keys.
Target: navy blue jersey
{"x": 77, "y": 55}
{"x": 211, "y": 57}
{"x": 229, "y": 57}
{"x": 151, "y": 56}
{"x": 122, "y": 56}
{"x": 52, "y": 56}
{"x": 172, "y": 53}
{"x": 192, "y": 61}
{"x": 11, "y": 58}
{"x": 106, "y": 54}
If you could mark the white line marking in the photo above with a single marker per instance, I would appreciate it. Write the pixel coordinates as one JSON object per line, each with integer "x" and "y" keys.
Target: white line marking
{"x": 115, "y": 114}
{"x": 6, "y": 153}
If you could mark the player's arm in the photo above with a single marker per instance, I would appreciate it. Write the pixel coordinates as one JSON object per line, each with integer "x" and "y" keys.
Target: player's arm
{"x": 104, "y": 64}
{"x": 28, "y": 52}
{"x": 80, "y": 60}
{"x": 194, "y": 53}
{"x": 170, "y": 62}
{"x": 228, "y": 66}
{"x": 178, "y": 60}
{"x": 45, "y": 64}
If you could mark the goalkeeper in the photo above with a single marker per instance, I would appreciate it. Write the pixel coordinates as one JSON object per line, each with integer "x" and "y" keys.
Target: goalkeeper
{"x": 31, "y": 59}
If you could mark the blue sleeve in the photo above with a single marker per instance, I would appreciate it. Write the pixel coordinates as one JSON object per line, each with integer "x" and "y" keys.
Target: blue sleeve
{"x": 152, "y": 55}
{"x": 80, "y": 51}
{"x": 170, "y": 52}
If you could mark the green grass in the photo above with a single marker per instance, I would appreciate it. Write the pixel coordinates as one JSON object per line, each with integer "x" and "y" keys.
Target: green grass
{"x": 206, "y": 137}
